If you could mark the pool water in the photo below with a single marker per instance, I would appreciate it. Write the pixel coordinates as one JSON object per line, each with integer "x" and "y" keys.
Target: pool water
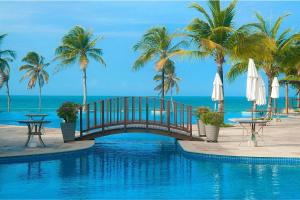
{"x": 145, "y": 166}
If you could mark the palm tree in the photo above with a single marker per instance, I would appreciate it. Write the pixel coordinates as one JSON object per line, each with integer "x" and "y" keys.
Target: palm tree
{"x": 271, "y": 60}
{"x": 291, "y": 70}
{"x": 35, "y": 72}
{"x": 78, "y": 45}
{"x": 157, "y": 45}
{"x": 216, "y": 36}
{"x": 6, "y": 56}
{"x": 171, "y": 81}
{"x": 4, "y": 76}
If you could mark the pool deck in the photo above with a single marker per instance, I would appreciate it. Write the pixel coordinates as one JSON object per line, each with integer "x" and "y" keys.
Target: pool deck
{"x": 13, "y": 138}
{"x": 280, "y": 139}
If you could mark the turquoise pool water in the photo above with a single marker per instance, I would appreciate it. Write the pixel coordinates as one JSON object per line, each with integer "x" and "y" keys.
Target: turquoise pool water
{"x": 144, "y": 166}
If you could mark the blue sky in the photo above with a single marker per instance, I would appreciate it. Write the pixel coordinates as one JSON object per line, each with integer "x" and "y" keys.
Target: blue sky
{"x": 39, "y": 26}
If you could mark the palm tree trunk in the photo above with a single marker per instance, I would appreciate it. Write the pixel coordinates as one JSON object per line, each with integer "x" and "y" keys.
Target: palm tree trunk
{"x": 298, "y": 99}
{"x": 220, "y": 72}
{"x": 269, "y": 109}
{"x": 8, "y": 96}
{"x": 84, "y": 89}
{"x": 40, "y": 98}
{"x": 287, "y": 98}
{"x": 171, "y": 97}
{"x": 163, "y": 83}
{"x": 163, "y": 88}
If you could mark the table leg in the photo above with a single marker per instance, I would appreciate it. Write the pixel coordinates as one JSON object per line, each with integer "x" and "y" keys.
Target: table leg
{"x": 244, "y": 130}
{"x": 40, "y": 134}
{"x": 261, "y": 129}
{"x": 41, "y": 141}
{"x": 29, "y": 135}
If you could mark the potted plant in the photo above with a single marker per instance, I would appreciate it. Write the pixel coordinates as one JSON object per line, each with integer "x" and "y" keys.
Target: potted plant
{"x": 68, "y": 112}
{"x": 212, "y": 121}
{"x": 201, "y": 127}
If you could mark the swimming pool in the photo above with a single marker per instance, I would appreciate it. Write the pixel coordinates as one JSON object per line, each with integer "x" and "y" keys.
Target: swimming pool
{"x": 144, "y": 166}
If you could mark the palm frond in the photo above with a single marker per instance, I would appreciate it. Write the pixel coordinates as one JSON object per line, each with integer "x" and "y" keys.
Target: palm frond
{"x": 202, "y": 10}
{"x": 277, "y": 25}
{"x": 34, "y": 69}
{"x": 32, "y": 58}
{"x": 26, "y": 67}
{"x": 97, "y": 57}
{"x": 263, "y": 26}
{"x": 143, "y": 59}
{"x": 236, "y": 70}
{"x": 8, "y": 53}
{"x": 77, "y": 46}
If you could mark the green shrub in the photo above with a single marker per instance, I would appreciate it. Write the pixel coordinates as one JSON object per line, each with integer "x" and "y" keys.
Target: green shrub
{"x": 212, "y": 118}
{"x": 68, "y": 112}
{"x": 200, "y": 110}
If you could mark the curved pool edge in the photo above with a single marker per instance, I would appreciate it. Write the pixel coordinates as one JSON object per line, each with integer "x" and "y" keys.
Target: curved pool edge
{"x": 52, "y": 154}
{"x": 235, "y": 158}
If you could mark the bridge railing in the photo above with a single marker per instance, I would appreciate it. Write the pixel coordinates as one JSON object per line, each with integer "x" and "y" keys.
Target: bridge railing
{"x": 125, "y": 111}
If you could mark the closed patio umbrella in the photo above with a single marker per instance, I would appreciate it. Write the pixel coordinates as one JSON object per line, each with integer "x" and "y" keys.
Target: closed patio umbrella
{"x": 217, "y": 94}
{"x": 261, "y": 93}
{"x": 275, "y": 92}
{"x": 252, "y": 83}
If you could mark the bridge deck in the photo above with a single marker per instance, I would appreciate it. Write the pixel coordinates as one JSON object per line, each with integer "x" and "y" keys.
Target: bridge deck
{"x": 134, "y": 128}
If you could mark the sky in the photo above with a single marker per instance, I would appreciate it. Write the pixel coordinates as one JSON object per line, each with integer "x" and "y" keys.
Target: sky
{"x": 40, "y": 25}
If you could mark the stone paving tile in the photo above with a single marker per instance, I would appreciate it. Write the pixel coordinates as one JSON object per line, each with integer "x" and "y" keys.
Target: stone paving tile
{"x": 13, "y": 138}
{"x": 280, "y": 139}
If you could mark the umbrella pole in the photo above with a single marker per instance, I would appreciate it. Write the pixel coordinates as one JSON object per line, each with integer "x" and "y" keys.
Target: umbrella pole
{"x": 252, "y": 125}
{"x": 275, "y": 106}
{"x": 252, "y": 114}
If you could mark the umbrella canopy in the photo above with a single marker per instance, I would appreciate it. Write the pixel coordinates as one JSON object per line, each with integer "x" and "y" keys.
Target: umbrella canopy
{"x": 261, "y": 93}
{"x": 217, "y": 94}
{"x": 275, "y": 88}
{"x": 252, "y": 82}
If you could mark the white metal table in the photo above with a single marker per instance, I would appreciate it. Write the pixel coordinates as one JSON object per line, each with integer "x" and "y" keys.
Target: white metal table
{"x": 34, "y": 128}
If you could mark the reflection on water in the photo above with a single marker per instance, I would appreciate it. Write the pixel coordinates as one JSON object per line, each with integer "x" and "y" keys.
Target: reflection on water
{"x": 136, "y": 166}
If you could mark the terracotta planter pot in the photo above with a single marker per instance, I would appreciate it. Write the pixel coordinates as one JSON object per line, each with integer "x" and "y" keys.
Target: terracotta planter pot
{"x": 201, "y": 128}
{"x": 68, "y": 131}
{"x": 212, "y": 133}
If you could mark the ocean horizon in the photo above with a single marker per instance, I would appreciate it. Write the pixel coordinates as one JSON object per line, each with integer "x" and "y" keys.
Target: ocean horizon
{"x": 235, "y": 106}
{"x": 52, "y": 102}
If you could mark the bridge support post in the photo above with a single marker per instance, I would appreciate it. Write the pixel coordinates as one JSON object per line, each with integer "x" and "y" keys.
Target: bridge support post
{"x": 88, "y": 116}
{"x": 80, "y": 121}
{"x": 102, "y": 115}
{"x": 191, "y": 121}
{"x": 140, "y": 109}
{"x": 95, "y": 114}
{"x": 147, "y": 112}
{"x": 125, "y": 112}
{"x": 168, "y": 115}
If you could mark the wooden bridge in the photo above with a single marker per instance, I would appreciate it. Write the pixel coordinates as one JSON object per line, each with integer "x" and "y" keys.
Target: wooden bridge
{"x": 136, "y": 114}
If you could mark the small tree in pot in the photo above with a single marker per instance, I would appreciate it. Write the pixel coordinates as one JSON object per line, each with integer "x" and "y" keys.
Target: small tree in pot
{"x": 212, "y": 121}
{"x": 68, "y": 112}
{"x": 201, "y": 127}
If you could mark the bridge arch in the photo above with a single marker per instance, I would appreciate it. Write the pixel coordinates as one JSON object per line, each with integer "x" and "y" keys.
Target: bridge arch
{"x": 136, "y": 114}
